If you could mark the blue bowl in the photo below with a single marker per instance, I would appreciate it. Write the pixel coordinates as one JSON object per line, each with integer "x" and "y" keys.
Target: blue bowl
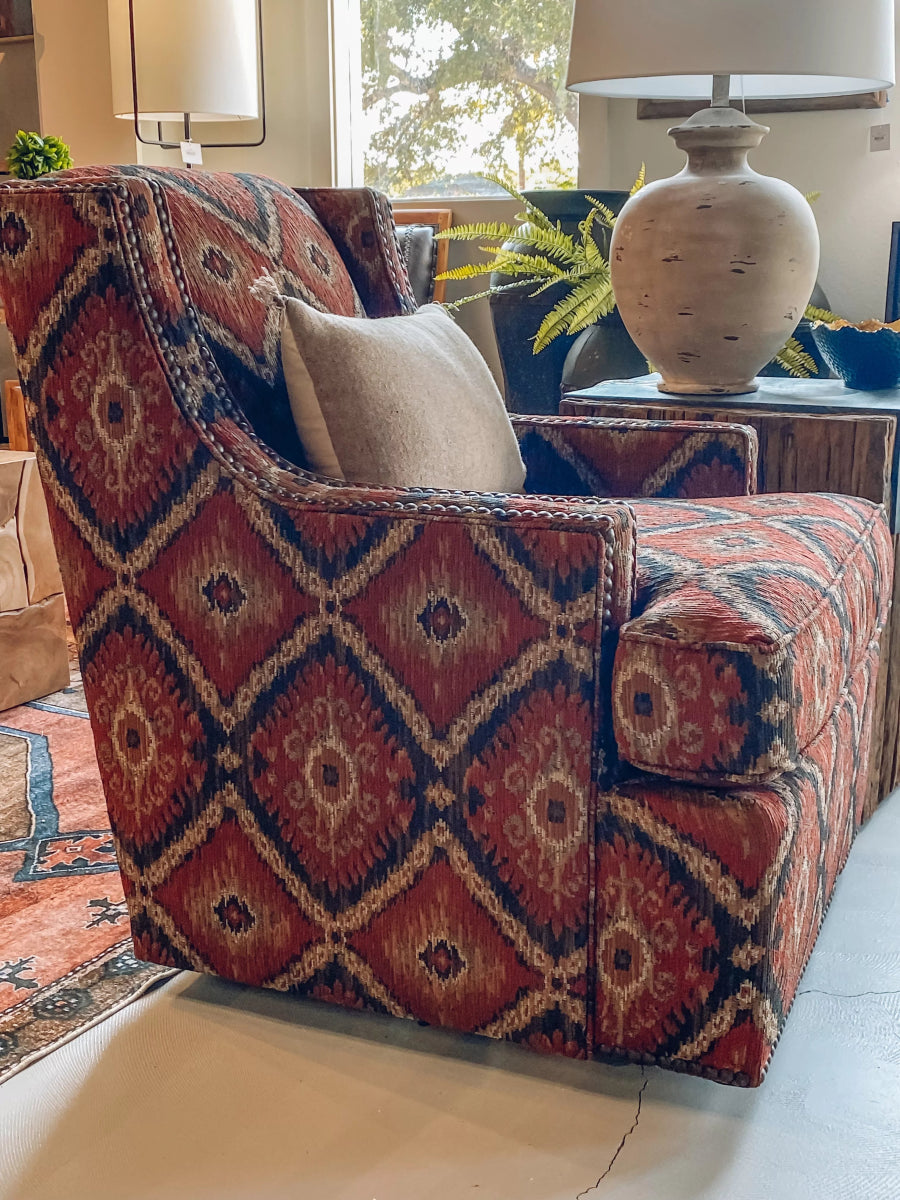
{"x": 867, "y": 358}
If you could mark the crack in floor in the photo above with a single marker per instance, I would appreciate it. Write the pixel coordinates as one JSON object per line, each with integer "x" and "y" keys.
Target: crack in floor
{"x": 621, "y": 1146}
{"x": 846, "y": 995}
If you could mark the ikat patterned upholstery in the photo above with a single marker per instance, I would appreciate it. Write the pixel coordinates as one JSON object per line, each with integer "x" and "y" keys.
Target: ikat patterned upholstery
{"x": 752, "y": 618}
{"x": 360, "y": 223}
{"x": 682, "y": 459}
{"x": 709, "y": 902}
{"x": 358, "y": 743}
{"x": 226, "y": 231}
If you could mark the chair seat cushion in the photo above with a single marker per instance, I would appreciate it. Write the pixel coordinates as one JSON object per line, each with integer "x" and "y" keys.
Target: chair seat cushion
{"x": 752, "y": 615}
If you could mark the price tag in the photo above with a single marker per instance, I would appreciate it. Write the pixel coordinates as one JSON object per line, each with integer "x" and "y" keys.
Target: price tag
{"x": 192, "y": 154}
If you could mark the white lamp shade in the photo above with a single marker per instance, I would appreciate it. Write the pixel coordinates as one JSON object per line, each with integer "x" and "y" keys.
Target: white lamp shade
{"x": 670, "y": 49}
{"x": 193, "y": 56}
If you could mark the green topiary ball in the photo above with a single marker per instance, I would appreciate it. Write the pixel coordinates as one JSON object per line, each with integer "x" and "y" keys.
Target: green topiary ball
{"x": 32, "y": 156}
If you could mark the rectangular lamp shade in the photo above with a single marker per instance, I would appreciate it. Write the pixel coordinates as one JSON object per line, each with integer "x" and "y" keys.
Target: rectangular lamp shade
{"x": 670, "y": 49}
{"x": 193, "y": 56}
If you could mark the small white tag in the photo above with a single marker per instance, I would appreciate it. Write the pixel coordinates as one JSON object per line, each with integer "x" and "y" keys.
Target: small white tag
{"x": 192, "y": 152}
{"x": 880, "y": 137}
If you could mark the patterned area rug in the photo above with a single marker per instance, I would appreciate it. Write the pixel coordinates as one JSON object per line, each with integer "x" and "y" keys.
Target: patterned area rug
{"x": 65, "y": 951}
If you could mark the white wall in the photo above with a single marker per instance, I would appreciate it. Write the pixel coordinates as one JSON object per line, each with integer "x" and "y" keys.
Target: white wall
{"x": 824, "y": 151}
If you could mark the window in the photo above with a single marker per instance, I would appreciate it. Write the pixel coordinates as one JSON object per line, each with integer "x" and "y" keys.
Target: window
{"x": 453, "y": 88}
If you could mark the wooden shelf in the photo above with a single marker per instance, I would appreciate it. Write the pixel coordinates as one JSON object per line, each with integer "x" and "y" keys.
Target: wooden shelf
{"x": 17, "y": 41}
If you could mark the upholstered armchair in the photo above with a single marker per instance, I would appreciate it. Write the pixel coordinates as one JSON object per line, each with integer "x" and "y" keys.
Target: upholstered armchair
{"x": 562, "y": 768}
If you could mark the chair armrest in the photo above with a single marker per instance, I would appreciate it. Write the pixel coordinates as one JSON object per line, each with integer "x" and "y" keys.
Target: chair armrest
{"x": 599, "y": 456}
{"x": 419, "y": 250}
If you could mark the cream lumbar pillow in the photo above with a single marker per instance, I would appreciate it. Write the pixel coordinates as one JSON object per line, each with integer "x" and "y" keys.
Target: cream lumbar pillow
{"x": 398, "y": 401}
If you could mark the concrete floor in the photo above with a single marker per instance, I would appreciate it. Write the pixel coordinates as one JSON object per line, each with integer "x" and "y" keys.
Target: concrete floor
{"x": 204, "y": 1091}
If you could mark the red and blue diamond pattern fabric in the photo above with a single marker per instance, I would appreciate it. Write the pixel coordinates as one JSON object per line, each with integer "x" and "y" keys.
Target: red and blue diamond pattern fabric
{"x": 357, "y": 743}
{"x": 752, "y": 618}
{"x": 303, "y": 696}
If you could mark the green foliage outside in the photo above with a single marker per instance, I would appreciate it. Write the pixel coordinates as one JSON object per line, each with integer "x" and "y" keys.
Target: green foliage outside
{"x": 32, "y": 156}
{"x": 442, "y": 74}
{"x": 544, "y": 256}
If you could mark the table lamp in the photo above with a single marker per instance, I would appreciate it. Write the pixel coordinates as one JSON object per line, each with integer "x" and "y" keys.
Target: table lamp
{"x": 188, "y": 61}
{"x": 713, "y": 269}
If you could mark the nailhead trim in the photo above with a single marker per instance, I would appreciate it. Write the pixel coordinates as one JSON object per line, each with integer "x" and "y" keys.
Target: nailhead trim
{"x": 573, "y": 422}
{"x": 615, "y": 1055}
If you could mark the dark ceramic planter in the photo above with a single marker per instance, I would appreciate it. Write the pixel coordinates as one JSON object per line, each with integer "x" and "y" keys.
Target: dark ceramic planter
{"x": 866, "y": 361}
{"x": 533, "y": 380}
{"x": 604, "y": 351}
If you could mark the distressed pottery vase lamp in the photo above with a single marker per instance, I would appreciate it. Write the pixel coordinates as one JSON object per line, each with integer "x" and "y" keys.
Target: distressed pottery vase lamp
{"x": 713, "y": 269}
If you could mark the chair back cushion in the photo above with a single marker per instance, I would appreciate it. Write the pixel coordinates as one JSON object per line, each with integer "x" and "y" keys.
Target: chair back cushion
{"x": 228, "y": 231}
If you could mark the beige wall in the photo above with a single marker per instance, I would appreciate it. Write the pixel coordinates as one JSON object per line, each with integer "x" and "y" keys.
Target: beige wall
{"x": 593, "y": 143}
{"x": 75, "y": 92}
{"x": 18, "y": 93}
{"x": 74, "y": 88}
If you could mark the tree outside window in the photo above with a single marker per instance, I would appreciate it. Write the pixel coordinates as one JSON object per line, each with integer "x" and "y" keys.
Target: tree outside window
{"x": 452, "y": 88}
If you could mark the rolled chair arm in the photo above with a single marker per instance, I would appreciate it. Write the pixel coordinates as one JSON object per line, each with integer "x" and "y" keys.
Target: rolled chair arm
{"x": 598, "y": 456}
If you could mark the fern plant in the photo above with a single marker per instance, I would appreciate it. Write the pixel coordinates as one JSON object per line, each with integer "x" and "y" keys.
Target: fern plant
{"x": 549, "y": 257}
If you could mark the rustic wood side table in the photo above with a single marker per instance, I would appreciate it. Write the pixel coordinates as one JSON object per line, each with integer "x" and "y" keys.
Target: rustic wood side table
{"x": 815, "y": 435}
{"x": 34, "y": 655}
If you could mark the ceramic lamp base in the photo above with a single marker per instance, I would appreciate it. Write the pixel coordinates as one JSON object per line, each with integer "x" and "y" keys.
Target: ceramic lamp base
{"x": 672, "y": 388}
{"x": 713, "y": 269}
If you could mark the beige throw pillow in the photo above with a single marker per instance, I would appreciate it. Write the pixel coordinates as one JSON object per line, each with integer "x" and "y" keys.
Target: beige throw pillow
{"x": 398, "y": 401}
